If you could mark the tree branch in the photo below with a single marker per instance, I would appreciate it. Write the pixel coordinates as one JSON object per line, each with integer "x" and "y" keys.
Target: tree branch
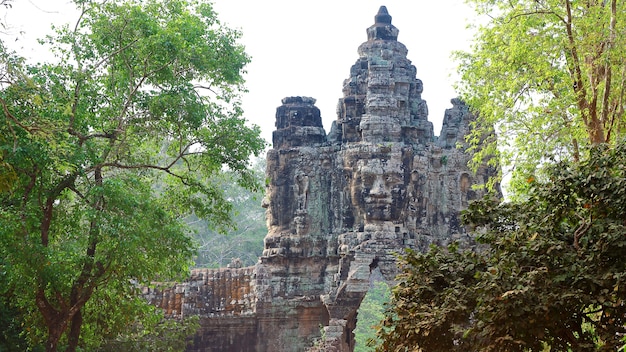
{"x": 8, "y": 114}
{"x": 617, "y": 113}
{"x": 581, "y": 230}
{"x": 48, "y": 208}
{"x": 108, "y": 57}
{"x": 537, "y": 12}
{"x": 166, "y": 169}
{"x": 579, "y": 88}
{"x": 609, "y": 66}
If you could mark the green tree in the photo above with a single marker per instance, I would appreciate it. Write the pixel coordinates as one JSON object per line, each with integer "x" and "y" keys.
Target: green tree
{"x": 550, "y": 75}
{"x": 371, "y": 313}
{"x": 107, "y": 148}
{"x": 245, "y": 241}
{"x": 550, "y": 274}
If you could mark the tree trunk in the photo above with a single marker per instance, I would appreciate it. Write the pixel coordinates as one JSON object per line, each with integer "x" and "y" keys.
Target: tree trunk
{"x": 596, "y": 131}
{"x": 56, "y": 320}
{"x": 74, "y": 336}
{"x": 56, "y": 328}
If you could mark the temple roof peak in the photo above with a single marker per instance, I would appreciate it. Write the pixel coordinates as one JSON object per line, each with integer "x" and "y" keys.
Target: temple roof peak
{"x": 382, "y": 16}
{"x": 382, "y": 28}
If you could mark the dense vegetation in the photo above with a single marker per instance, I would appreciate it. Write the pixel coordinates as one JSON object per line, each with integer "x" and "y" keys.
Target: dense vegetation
{"x": 551, "y": 272}
{"x": 104, "y": 151}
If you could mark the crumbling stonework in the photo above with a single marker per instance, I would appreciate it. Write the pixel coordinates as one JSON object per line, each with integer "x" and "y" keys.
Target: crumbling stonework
{"x": 339, "y": 205}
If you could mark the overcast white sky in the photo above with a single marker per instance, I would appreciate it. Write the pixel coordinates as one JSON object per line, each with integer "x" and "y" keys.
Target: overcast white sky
{"x": 306, "y": 48}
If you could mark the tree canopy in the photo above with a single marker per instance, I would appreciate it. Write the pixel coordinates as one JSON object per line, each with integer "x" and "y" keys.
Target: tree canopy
{"x": 550, "y": 273}
{"x": 550, "y": 75}
{"x": 103, "y": 151}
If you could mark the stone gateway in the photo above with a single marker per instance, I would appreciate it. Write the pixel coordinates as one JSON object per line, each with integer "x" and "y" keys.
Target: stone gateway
{"x": 339, "y": 205}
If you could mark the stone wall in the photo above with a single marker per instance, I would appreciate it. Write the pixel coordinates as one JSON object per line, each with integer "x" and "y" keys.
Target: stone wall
{"x": 339, "y": 205}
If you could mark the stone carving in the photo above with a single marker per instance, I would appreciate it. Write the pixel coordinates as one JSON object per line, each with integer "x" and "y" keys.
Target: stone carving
{"x": 339, "y": 206}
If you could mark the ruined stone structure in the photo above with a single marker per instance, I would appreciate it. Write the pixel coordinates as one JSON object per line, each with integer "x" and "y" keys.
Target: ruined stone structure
{"x": 339, "y": 205}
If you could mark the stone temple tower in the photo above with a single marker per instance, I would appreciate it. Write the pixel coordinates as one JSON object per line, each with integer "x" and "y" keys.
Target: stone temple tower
{"x": 382, "y": 98}
{"x": 339, "y": 207}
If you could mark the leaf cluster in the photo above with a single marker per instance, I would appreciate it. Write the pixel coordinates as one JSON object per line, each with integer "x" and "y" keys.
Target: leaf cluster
{"x": 548, "y": 273}
{"x": 549, "y": 76}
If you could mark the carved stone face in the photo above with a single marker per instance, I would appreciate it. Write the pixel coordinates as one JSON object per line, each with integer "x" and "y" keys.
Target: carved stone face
{"x": 378, "y": 189}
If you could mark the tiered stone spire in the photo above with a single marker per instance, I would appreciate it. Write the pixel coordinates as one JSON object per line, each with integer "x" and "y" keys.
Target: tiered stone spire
{"x": 382, "y": 98}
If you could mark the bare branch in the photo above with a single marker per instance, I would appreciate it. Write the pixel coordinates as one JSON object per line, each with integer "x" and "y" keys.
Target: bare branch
{"x": 166, "y": 169}
{"x": 209, "y": 88}
{"x": 537, "y": 12}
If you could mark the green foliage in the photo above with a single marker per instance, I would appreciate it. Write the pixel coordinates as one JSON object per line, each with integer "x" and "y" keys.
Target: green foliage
{"x": 11, "y": 323}
{"x": 550, "y": 76}
{"x": 105, "y": 151}
{"x": 371, "y": 313}
{"x": 245, "y": 241}
{"x": 154, "y": 334}
{"x": 549, "y": 272}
